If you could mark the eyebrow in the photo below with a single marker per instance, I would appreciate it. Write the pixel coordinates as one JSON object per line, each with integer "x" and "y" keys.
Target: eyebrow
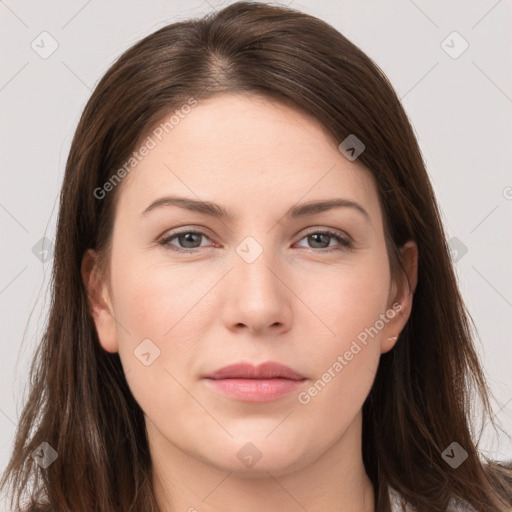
{"x": 219, "y": 212}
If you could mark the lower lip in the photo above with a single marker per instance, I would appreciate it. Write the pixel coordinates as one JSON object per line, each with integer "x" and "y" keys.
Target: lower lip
{"x": 255, "y": 390}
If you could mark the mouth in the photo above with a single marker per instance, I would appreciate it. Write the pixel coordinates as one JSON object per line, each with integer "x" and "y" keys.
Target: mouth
{"x": 248, "y": 383}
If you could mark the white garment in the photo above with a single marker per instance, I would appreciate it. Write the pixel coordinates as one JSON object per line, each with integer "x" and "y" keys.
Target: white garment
{"x": 396, "y": 504}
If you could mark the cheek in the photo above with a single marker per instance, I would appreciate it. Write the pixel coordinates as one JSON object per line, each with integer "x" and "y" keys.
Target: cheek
{"x": 151, "y": 298}
{"x": 348, "y": 298}
{"x": 346, "y": 356}
{"x": 155, "y": 305}
{"x": 159, "y": 312}
{"x": 361, "y": 301}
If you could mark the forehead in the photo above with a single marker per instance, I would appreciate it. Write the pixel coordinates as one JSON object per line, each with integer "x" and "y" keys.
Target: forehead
{"x": 246, "y": 151}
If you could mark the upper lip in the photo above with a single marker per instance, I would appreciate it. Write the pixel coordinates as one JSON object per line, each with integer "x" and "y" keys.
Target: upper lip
{"x": 269, "y": 370}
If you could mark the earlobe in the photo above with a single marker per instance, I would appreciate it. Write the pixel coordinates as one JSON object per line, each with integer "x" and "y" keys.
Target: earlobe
{"x": 99, "y": 302}
{"x": 387, "y": 345}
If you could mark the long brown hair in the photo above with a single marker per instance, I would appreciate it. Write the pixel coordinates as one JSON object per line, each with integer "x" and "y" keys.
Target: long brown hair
{"x": 420, "y": 403}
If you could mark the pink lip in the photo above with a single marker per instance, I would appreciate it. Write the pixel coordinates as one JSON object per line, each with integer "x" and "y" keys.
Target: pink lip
{"x": 249, "y": 383}
{"x": 268, "y": 370}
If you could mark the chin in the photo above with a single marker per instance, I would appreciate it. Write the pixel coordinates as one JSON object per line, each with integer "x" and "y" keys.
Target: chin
{"x": 257, "y": 456}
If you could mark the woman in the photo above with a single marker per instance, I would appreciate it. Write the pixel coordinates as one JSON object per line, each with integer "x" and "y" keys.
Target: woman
{"x": 281, "y": 363}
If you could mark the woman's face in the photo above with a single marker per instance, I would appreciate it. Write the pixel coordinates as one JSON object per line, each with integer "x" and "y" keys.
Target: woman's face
{"x": 260, "y": 285}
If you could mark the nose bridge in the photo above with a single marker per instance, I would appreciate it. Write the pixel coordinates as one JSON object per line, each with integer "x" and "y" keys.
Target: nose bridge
{"x": 255, "y": 262}
{"x": 256, "y": 290}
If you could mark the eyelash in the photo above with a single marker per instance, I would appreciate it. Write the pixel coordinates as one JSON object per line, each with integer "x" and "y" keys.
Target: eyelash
{"x": 345, "y": 245}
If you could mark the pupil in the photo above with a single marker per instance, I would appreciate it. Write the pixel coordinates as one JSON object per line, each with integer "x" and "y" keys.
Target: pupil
{"x": 317, "y": 236}
{"x": 189, "y": 237}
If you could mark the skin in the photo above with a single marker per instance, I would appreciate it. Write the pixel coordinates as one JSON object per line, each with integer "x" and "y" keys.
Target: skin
{"x": 296, "y": 304}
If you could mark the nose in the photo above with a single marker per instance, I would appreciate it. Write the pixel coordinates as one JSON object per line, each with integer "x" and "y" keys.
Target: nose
{"x": 258, "y": 298}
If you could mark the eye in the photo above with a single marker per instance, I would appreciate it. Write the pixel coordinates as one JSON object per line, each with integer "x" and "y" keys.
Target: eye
{"x": 323, "y": 239}
{"x": 190, "y": 240}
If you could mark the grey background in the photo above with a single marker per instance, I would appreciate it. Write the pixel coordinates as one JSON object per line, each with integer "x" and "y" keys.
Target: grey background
{"x": 460, "y": 109}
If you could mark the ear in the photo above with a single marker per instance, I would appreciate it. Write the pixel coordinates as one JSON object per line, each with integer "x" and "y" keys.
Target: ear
{"x": 401, "y": 296}
{"x": 99, "y": 301}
